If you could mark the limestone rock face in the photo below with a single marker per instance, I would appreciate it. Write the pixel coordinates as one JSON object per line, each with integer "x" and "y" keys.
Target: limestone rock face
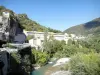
{"x": 10, "y": 28}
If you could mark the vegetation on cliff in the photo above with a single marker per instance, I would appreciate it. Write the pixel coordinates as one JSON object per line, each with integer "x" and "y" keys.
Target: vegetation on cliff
{"x": 26, "y": 23}
{"x": 31, "y": 25}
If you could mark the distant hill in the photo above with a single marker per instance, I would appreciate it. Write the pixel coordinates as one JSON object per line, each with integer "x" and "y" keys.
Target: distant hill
{"x": 30, "y": 25}
{"x": 26, "y": 23}
{"x": 92, "y": 27}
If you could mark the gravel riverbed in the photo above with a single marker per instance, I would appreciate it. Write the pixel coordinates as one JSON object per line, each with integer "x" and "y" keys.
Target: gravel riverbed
{"x": 61, "y": 73}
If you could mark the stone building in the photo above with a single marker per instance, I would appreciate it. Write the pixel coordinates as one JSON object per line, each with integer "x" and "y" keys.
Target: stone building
{"x": 38, "y": 37}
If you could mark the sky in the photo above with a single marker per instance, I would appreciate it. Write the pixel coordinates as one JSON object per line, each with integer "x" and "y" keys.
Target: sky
{"x": 57, "y": 14}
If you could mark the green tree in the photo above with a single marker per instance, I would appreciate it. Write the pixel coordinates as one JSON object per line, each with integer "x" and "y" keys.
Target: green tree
{"x": 85, "y": 64}
{"x": 41, "y": 58}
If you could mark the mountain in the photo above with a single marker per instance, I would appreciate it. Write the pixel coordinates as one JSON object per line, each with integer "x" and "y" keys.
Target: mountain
{"x": 26, "y": 23}
{"x": 92, "y": 27}
{"x": 30, "y": 25}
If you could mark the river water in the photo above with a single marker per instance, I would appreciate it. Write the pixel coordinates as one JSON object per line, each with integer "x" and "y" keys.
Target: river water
{"x": 42, "y": 70}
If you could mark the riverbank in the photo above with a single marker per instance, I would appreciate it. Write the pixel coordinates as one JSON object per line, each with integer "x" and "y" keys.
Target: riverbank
{"x": 51, "y": 68}
{"x": 42, "y": 70}
{"x": 57, "y": 70}
{"x": 54, "y": 69}
{"x": 58, "y": 67}
{"x": 61, "y": 73}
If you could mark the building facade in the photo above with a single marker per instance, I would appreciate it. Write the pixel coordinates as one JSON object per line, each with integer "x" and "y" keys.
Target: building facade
{"x": 38, "y": 37}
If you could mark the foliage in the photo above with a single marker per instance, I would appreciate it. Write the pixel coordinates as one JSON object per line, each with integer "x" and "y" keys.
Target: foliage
{"x": 20, "y": 62}
{"x": 59, "y": 49}
{"x": 26, "y": 60}
{"x": 25, "y": 22}
{"x": 45, "y": 47}
{"x": 85, "y": 64}
{"x": 70, "y": 42}
{"x": 72, "y": 48}
{"x": 53, "y": 46}
{"x": 54, "y": 30}
{"x": 28, "y": 24}
{"x": 31, "y": 25}
{"x": 30, "y": 37}
{"x": 2, "y": 9}
{"x": 41, "y": 58}
{"x": 95, "y": 43}
{"x": 69, "y": 50}
{"x": 16, "y": 56}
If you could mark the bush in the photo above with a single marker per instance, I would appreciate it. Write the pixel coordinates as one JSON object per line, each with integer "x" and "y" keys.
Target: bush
{"x": 69, "y": 50}
{"x": 51, "y": 47}
{"x": 85, "y": 50}
{"x": 16, "y": 56}
{"x": 85, "y": 64}
{"x": 41, "y": 58}
{"x": 30, "y": 37}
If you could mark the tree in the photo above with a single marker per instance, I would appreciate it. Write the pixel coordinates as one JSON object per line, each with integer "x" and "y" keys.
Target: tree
{"x": 85, "y": 64}
{"x": 41, "y": 58}
{"x": 45, "y": 44}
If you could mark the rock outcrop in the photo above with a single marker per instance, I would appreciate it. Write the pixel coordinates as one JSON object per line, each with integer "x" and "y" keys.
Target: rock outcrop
{"x": 61, "y": 73}
{"x": 13, "y": 56}
{"x": 10, "y": 29}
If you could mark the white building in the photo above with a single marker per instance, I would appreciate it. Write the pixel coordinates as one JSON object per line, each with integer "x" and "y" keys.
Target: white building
{"x": 38, "y": 39}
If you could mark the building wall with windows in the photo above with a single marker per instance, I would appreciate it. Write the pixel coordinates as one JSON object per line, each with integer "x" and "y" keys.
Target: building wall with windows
{"x": 38, "y": 39}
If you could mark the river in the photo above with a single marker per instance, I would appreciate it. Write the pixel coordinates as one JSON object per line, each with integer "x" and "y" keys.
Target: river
{"x": 42, "y": 70}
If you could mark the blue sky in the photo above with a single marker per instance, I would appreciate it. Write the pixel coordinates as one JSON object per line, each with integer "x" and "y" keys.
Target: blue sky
{"x": 57, "y": 14}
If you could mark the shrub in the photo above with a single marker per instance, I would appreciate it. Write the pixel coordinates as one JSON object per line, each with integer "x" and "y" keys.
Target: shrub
{"x": 30, "y": 37}
{"x": 85, "y": 50}
{"x": 85, "y": 64}
{"x": 69, "y": 50}
{"x": 16, "y": 56}
{"x": 41, "y": 58}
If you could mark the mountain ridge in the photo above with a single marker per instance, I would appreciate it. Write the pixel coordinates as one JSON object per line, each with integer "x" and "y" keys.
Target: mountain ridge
{"x": 91, "y": 27}
{"x": 26, "y": 23}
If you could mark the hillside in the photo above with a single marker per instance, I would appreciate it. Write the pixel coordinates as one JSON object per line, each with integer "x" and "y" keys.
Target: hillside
{"x": 26, "y": 23}
{"x": 92, "y": 27}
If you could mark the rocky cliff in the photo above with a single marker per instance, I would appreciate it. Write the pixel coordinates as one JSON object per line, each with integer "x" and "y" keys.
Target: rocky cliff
{"x": 10, "y": 29}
